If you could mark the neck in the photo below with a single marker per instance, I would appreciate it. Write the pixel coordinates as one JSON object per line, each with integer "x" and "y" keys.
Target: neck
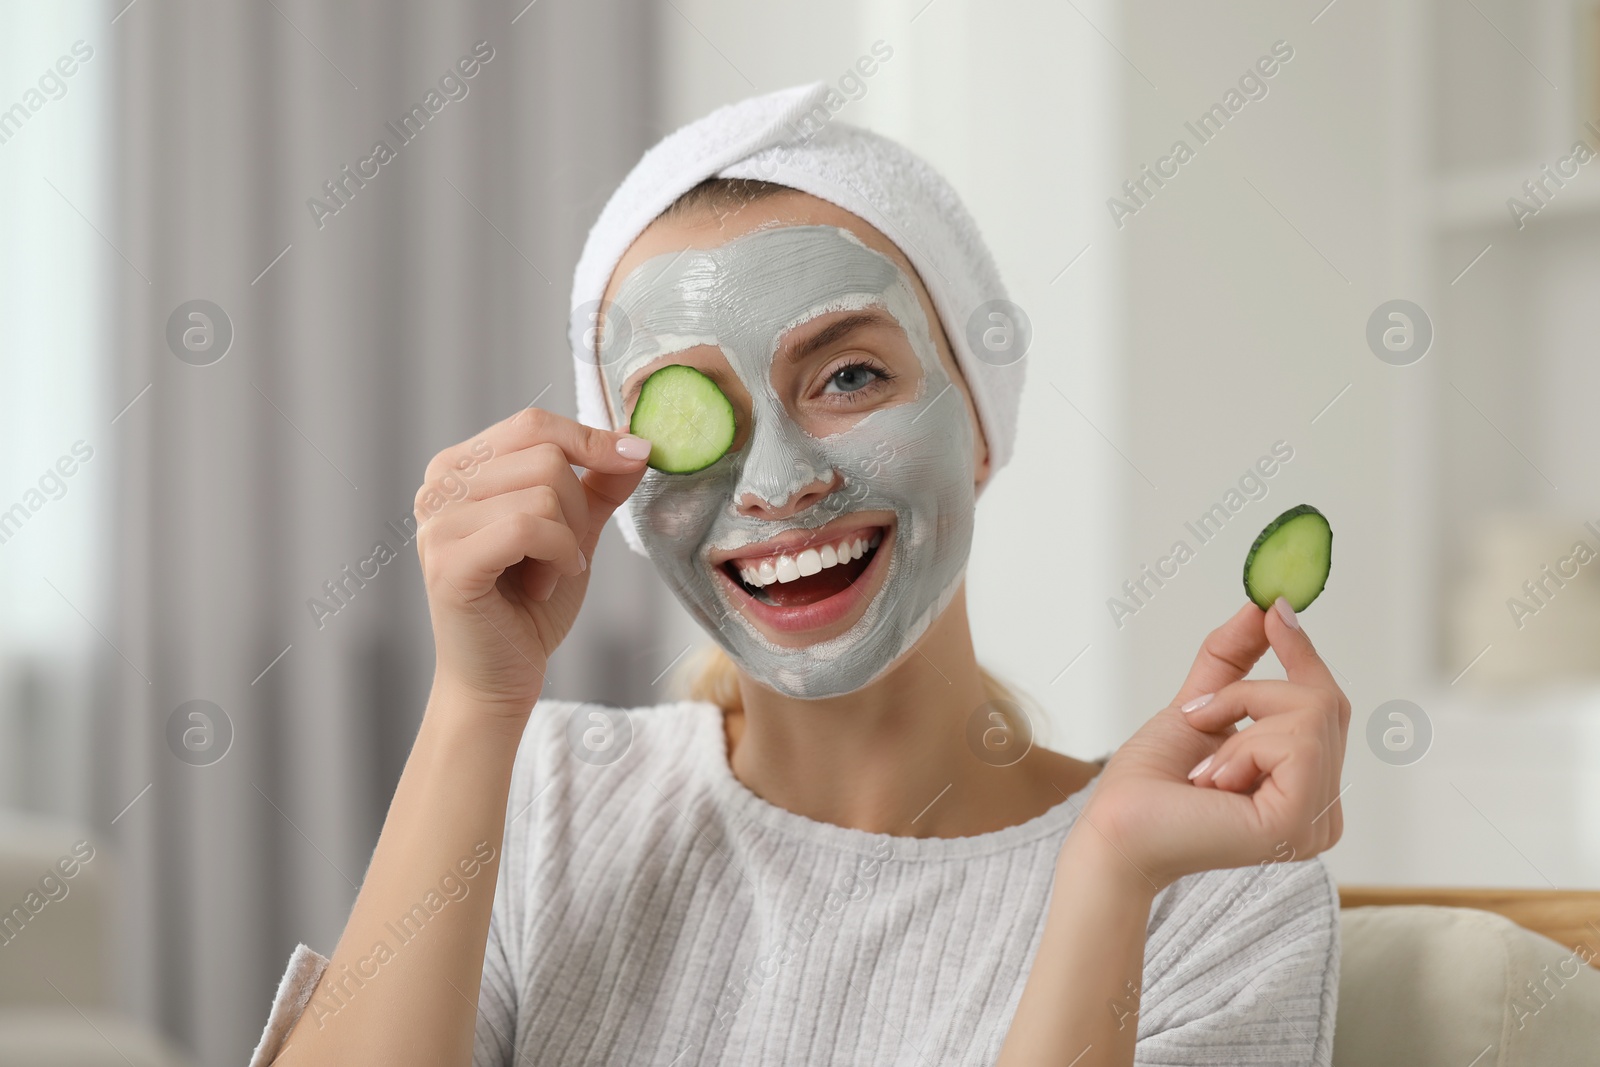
{"x": 891, "y": 757}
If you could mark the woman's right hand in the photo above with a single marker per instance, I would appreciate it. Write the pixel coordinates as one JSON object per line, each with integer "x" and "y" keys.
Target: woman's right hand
{"x": 506, "y": 530}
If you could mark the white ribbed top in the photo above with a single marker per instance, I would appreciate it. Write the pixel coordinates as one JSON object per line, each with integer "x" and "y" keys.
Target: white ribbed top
{"x": 656, "y": 911}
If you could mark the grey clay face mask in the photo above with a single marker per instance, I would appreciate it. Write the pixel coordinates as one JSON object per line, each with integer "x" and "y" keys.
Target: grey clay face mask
{"x": 914, "y": 458}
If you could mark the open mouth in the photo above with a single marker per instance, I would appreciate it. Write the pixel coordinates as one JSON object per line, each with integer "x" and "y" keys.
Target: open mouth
{"x": 811, "y": 585}
{"x": 805, "y": 577}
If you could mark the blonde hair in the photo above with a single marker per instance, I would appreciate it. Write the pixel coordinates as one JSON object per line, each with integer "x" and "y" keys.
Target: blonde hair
{"x": 708, "y": 675}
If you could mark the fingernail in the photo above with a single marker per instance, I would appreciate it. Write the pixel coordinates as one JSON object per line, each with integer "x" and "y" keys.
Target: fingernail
{"x": 1197, "y": 703}
{"x": 1287, "y": 612}
{"x": 631, "y": 447}
{"x": 583, "y": 562}
{"x": 1200, "y": 768}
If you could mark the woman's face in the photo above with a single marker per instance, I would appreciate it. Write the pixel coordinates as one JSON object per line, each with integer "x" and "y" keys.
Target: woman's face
{"x": 837, "y": 527}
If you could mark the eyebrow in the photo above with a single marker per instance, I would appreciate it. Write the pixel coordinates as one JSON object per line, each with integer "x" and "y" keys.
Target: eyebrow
{"x": 824, "y": 338}
{"x": 838, "y": 330}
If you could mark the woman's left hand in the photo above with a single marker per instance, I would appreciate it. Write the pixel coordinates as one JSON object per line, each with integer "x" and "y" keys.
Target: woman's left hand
{"x": 1189, "y": 792}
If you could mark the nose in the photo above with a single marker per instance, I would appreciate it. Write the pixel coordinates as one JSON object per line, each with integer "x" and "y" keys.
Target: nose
{"x": 756, "y": 506}
{"x": 783, "y": 473}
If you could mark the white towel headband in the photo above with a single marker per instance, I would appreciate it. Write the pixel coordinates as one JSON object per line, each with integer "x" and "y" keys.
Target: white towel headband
{"x": 791, "y": 138}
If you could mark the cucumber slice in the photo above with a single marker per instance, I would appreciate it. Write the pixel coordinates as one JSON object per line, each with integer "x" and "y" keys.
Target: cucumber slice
{"x": 685, "y": 417}
{"x": 1290, "y": 558}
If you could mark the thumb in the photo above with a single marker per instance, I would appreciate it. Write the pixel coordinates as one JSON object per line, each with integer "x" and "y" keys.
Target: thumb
{"x": 606, "y": 490}
{"x": 1227, "y": 654}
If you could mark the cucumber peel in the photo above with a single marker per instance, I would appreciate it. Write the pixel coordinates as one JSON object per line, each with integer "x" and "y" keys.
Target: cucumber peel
{"x": 1290, "y": 558}
{"x": 688, "y": 421}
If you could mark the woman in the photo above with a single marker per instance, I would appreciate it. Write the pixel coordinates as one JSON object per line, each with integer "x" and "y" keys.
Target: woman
{"x": 819, "y": 858}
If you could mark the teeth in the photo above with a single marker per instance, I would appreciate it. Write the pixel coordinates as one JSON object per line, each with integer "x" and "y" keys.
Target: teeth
{"x": 786, "y": 568}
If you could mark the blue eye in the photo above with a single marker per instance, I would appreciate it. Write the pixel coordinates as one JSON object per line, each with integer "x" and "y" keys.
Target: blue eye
{"x": 852, "y": 378}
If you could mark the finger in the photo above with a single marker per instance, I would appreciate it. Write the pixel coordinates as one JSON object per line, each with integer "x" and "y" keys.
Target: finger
{"x": 1260, "y": 699}
{"x": 1207, "y": 771}
{"x": 486, "y": 553}
{"x": 543, "y": 464}
{"x": 1301, "y": 661}
{"x": 605, "y": 493}
{"x": 1226, "y": 655}
{"x": 1249, "y": 755}
{"x": 1286, "y": 774}
{"x": 442, "y": 534}
{"x": 585, "y": 446}
{"x": 466, "y": 517}
{"x": 1281, "y": 709}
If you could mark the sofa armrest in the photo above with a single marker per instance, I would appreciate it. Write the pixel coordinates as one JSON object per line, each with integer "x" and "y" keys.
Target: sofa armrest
{"x": 55, "y": 894}
{"x": 1428, "y": 986}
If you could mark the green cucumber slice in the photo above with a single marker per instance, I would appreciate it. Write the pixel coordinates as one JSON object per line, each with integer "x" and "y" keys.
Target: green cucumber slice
{"x": 685, "y": 417}
{"x": 1290, "y": 558}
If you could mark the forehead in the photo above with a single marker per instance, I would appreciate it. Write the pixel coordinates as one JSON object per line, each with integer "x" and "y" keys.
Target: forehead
{"x": 708, "y": 228}
{"x": 758, "y": 286}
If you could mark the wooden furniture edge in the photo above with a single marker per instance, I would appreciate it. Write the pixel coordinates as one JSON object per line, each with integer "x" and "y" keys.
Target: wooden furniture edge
{"x": 1568, "y": 917}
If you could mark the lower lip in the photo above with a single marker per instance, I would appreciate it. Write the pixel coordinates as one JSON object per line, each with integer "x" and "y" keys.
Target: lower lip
{"x": 808, "y": 617}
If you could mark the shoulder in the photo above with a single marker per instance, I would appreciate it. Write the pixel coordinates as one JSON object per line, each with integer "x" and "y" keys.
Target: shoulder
{"x": 583, "y": 773}
{"x": 1244, "y": 903}
{"x": 584, "y": 768}
{"x": 1281, "y": 905}
{"x": 1232, "y": 947}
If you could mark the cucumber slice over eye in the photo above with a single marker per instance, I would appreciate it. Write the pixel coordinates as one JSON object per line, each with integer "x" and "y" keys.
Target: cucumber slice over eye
{"x": 1290, "y": 558}
{"x": 685, "y": 417}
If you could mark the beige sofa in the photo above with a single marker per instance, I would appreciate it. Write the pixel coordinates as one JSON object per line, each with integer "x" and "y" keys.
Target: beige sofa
{"x": 55, "y": 1004}
{"x": 1468, "y": 978}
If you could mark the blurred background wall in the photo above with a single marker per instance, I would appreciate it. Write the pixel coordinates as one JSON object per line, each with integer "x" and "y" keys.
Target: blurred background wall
{"x": 1195, "y": 313}
{"x": 248, "y": 352}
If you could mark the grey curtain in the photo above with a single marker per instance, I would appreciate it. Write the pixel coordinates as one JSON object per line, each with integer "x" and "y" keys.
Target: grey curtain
{"x": 423, "y": 299}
